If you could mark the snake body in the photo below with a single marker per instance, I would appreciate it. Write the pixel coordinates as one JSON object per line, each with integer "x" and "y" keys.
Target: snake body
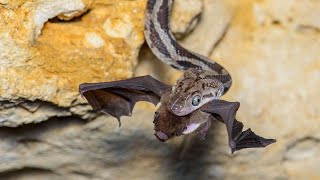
{"x": 204, "y": 77}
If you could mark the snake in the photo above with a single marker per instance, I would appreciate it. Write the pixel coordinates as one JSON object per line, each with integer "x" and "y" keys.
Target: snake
{"x": 203, "y": 79}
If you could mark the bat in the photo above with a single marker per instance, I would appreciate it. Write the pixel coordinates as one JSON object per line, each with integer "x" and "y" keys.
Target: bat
{"x": 118, "y": 99}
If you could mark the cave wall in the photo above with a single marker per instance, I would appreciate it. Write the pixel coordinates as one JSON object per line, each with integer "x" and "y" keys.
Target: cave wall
{"x": 47, "y": 48}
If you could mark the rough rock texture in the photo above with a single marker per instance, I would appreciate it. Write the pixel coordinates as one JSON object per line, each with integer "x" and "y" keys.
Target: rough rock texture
{"x": 47, "y": 48}
{"x": 47, "y": 62}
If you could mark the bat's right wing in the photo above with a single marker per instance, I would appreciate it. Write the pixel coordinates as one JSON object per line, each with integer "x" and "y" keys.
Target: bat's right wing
{"x": 118, "y": 98}
{"x": 238, "y": 139}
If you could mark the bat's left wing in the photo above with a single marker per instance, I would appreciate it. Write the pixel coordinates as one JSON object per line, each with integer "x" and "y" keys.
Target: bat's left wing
{"x": 238, "y": 139}
{"x": 118, "y": 98}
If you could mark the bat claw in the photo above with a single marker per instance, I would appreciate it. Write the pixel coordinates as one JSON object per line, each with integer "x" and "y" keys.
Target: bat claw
{"x": 248, "y": 139}
{"x": 232, "y": 151}
{"x": 232, "y": 145}
{"x": 201, "y": 136}
{"x": 119, "y": 122}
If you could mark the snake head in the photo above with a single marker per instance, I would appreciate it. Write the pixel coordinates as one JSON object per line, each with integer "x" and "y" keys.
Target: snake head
{"x": 192, "y": 90}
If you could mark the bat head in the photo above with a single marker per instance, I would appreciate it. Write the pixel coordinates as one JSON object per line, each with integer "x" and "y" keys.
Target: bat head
{"x": 168, "y": 125}
{"x": 192, "y": 90}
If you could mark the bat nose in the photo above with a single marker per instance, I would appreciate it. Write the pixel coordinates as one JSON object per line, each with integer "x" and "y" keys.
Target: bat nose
{"x": 161, "y": 136}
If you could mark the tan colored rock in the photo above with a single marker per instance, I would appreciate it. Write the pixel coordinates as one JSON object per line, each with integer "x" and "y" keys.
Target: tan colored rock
{"x": 274, "y": 61}
{"x": 47, "y": 60}
{"x": 185, "y": 16}
{"x": 57, "y": 60}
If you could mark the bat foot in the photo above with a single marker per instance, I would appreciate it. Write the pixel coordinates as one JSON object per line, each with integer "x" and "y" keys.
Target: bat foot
{"x": 119, "y": 122}
{"x": 203, "y": 132}
{"x": 201, "y": 136}
{"x": 232, "y": 146}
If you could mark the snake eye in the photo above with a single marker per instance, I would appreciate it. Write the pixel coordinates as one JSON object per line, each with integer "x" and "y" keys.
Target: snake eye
{"x": 196, "y": 100}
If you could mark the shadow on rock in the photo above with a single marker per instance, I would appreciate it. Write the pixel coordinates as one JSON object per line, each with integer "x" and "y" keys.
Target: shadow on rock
{"x": 190, "y": 161}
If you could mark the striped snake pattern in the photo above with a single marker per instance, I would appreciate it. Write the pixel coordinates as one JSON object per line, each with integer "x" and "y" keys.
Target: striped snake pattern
{"x": 165, "y": 47}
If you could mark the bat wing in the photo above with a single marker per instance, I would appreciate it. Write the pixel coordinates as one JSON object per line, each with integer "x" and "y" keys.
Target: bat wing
{"x": 238, "y": 139}
{"x": 118, "y": 98}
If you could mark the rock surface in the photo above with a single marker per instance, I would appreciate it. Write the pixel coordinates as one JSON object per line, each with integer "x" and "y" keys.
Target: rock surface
{"x": 47, "y": 48}
{"x": 47, "y": 62}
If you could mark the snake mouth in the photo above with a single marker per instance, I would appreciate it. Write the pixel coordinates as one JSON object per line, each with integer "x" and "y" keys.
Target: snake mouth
{"x": 191, "y": 128}
{"x": 161, "y": 136}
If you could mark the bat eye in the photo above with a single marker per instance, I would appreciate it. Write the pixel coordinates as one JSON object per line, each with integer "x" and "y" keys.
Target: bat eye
{"x": 156, "y": 115}
{"x": 196, "y": 100}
